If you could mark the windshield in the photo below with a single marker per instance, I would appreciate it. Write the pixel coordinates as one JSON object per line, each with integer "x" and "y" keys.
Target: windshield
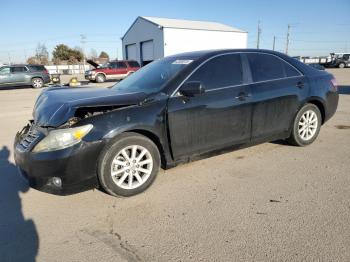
{"x": 105, "y": 65}
{"x": 154, "y": 76}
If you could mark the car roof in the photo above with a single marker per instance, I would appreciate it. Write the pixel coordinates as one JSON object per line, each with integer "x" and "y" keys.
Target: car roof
{"x": 197, "y": 54}
{"x": 26, "y": 65}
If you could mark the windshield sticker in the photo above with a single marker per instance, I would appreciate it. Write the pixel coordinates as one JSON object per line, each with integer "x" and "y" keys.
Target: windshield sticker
{"x": 182, "y": 62}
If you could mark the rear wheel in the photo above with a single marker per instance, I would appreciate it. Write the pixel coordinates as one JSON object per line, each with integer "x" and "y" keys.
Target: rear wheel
{"x": 341, "y": 65}
{"x": 306, "y": 126}
{"x": 129, "y": 165}
{"x": 100, "y": 78}
{"x": 37, "y": 82}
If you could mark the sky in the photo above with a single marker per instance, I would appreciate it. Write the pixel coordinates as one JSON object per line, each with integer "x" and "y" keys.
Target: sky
{"x": 318, "y": 27}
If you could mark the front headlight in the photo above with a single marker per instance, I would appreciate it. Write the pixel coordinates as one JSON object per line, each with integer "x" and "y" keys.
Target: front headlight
{"x": 62, "y": 138}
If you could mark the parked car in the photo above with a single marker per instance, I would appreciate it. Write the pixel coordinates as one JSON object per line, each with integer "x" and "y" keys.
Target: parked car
{"x": 23, "y": 75}
{"x": 173, "y": 110}
{"x": 340, "y": 60}
{"x": 116, "y": 70}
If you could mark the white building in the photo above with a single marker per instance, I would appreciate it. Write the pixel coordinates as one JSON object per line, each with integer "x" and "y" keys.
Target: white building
{"x": 150, "y": 38}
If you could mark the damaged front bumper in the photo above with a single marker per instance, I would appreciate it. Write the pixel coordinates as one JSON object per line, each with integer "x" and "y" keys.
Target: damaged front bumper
{"x": 75, "y": 166}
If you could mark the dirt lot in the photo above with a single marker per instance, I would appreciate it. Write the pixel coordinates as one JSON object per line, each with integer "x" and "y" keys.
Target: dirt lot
{"x": 270, "y": 202}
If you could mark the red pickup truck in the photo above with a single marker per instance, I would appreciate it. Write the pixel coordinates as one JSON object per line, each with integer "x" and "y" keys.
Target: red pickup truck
{"x": 116, "y": 70}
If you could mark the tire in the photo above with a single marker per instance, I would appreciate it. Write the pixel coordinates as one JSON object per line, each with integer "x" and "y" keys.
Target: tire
{"x": 341, "y": 65}
{"x": 306, "y": 126}
{"x": 115, "y": 171}
{"x": 100, "y": 78}
{"x": 37, "y": 82}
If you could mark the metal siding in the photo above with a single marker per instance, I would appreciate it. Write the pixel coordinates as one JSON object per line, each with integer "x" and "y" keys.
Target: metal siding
{"x": 187, "y": 40}
{"x": 142, "y": 31}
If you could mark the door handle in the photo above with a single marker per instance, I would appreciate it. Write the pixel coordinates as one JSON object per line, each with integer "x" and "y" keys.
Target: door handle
{"x": 300, "y": 84}
{"x": 242, "y": 96}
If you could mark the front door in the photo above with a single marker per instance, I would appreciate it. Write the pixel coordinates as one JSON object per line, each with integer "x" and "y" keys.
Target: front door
{"x": 18, "y": 74}
{"x": 218, "y": 118}
{"x": 5, "y": 75}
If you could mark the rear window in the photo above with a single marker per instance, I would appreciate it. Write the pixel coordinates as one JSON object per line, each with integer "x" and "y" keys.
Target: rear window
{"x": 269, "y": 67}
{"x": 37, "y": 68}
{"x": 133, "y": 64}
{"x": 121, "y": 65}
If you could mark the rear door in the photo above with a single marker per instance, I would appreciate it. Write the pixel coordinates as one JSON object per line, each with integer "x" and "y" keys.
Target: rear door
{"x": 19, "y": 74}
{"x": 122, "y": 69}
{"x": 277, "y": 91}
{"x": 5, "y": 75}
{"x": 216, "y": 119}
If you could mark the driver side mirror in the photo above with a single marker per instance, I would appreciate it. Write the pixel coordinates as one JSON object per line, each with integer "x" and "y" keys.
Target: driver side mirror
{"x": 192, "y": 88}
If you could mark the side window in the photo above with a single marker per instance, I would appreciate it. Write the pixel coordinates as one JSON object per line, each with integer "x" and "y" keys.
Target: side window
{"x": 133, "y": 64}
{"x": 4, "y": 70}
{"x": 18, "y": 69}
{"x": 221, "y": 71}
{"x": 265, "y": 67}
{"x": 121, "y": 65}
{"x": 289, "y": 70}
{"x": 113, "y": 65}
{"x": 268, "y": 67}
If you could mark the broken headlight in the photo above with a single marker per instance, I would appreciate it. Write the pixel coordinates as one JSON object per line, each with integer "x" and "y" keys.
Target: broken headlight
{"x": 62, "y": 138}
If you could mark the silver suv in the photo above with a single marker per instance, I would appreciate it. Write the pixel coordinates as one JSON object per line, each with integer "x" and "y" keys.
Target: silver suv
{"x": 17, "y": 75}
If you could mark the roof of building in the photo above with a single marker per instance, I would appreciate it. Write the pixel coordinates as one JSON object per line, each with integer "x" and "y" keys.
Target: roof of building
{"x": 187, "y": 24}
{"x": 191, "y": 24}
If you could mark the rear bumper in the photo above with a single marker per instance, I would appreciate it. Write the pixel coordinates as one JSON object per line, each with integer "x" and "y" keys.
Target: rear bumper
{"x": 46, "y": 79}
{"x": 331, "y": 106}
{"x": 75, "y": 166}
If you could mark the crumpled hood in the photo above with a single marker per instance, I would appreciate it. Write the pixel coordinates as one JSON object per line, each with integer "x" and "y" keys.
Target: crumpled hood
{"x": 55, "y": 106}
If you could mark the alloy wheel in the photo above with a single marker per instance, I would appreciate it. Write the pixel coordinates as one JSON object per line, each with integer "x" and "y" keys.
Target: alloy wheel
{"x": 37, "y": 83}
{"x": 307, "y": 125}
{"x": 131, "y": 167}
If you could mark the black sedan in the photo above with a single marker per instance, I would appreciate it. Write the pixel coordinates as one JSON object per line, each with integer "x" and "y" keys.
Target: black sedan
{"x": 174, "y": 110}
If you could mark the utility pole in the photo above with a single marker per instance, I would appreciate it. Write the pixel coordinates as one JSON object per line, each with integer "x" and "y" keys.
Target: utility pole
{"x": 8, "y": 53}
{"x": 259, "y": 33}
{"x": 274, "y": 43}
{"x": 83, "y": 41}
{"x": 287, "y": 44}
{"x": 25, "y": 56}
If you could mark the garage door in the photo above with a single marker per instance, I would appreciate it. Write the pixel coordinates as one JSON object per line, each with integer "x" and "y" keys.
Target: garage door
{"x": 147, "y": 51}
{"x": 131, "y": 52}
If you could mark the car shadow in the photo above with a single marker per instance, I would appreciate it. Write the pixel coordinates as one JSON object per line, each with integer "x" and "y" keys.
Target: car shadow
{"x": 14, "y": 87}
{"x": 344, "y": 90}
{"x": 19, "y": 239}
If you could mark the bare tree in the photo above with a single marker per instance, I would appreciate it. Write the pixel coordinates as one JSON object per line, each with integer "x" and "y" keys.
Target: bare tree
{"x": 93, "y": 53}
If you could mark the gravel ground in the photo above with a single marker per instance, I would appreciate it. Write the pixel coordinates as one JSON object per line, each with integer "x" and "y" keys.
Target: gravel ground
{"x": 271, "y": 202}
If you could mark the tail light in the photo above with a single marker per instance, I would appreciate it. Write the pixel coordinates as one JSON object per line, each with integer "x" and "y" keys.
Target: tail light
{"x": 334, "y": 84}
{"x": 46, "y": 72}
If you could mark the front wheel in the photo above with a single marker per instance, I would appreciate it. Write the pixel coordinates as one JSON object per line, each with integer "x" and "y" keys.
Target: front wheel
{"x": 129, "y": 165}
{"x": 100, "y": 78}
{"x": 306, "y": 126}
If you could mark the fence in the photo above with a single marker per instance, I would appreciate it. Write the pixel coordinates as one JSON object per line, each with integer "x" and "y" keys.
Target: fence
{"x": 67, "y": 69}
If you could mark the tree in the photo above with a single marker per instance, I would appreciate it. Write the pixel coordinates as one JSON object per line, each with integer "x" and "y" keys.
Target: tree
{"x": 93, "y": 53}
{"x": 65, "y": 53}
{"x": 41, "y": 54}
{"x": 103, "y": 54}
{"x": 31, "y": 60}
